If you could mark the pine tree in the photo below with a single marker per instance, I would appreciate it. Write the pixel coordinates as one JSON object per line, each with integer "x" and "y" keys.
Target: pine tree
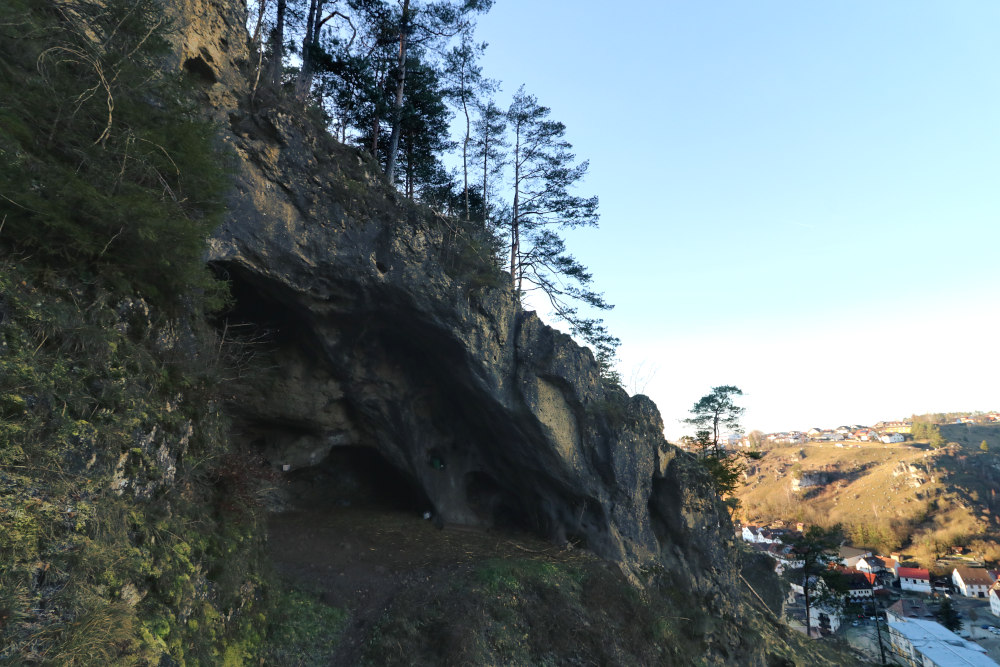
{"x": 947, "y": 615}
{"x": 423, "y": 24}
{"x": 465, "y": 87}
{"x": 489, "y": 150}
{"x": 544, "y": 174}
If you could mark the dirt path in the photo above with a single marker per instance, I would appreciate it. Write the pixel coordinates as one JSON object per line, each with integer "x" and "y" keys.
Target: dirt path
{"x": 359, "y": 558}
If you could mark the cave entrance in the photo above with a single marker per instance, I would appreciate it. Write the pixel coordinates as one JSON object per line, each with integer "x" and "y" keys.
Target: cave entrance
{"x": 356, "y": 477}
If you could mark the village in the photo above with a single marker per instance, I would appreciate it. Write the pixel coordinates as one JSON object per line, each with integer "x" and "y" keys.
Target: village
{"x": 887, "y": 607}
{"x": 885, "y": 432}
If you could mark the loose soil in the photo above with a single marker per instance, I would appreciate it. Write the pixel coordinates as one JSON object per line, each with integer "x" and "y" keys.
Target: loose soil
{"x": 359, "y": 553}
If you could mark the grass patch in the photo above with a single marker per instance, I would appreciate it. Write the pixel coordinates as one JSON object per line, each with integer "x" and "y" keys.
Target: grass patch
{"x": 301, "y": 630}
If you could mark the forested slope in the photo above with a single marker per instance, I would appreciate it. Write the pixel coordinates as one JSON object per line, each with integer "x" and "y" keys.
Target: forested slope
{"x": 150, "y": 408}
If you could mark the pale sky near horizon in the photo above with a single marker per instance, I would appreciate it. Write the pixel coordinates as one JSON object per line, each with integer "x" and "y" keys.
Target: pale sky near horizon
{"x": 800, "y": 199}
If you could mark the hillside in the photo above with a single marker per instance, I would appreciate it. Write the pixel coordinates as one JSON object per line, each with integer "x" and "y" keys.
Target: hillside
{"x": 237, "y": 368}
{"x": 904, "y": 496}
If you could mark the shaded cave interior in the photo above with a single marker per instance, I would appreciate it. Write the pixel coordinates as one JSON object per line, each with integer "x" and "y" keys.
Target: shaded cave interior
{"x": 377, "y": 413}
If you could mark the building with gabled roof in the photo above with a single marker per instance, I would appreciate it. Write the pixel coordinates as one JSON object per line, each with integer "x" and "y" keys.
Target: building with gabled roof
{"x": 907, "y": 608}
{"x": 973, "y": 582}
{"x": 994, "y": 596}
{"x": 915, "y": 579}
{"x": 849, "y": 556}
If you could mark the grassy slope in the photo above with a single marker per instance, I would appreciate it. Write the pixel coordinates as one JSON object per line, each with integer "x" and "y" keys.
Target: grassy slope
{"x": 394, "y": 590}
{"x": 128, "y": 534}
{"x": 890, "y": 496}
{"x": 120, "y": 542}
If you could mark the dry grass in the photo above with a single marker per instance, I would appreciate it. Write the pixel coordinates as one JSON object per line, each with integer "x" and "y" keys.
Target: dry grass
{"x": 887, "y": 496}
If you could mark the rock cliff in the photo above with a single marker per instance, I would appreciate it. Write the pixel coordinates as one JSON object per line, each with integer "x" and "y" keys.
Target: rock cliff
{"x": 384, "y": 330}
{"x": 365, "y": 332}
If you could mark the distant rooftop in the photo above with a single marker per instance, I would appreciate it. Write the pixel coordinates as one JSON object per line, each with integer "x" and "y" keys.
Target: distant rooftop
{"x": 908, "y": 608}
{"x": 851, "y": 552}
{"x": 941, "y": 645}
{"x": 975, "y": 576}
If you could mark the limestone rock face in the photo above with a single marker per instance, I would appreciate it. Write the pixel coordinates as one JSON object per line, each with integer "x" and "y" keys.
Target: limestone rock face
{"x": 364, "y": 324}
{"x": 210, "y": 44}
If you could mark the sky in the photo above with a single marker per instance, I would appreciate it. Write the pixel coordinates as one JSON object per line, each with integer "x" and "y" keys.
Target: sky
{"x": 799, "y": 199}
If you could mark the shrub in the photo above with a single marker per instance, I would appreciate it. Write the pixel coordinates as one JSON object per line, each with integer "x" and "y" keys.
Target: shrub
{"x": 108, "y": 173}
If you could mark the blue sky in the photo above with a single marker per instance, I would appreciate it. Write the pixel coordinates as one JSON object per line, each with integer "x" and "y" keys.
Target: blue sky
{"x": 801, "y": 199}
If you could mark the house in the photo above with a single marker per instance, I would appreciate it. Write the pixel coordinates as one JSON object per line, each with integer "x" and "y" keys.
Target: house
{"x": 881, "y": 565}
{"x": 750, "y": 533}
{"x": 859, "y": 584}
{"x": 849, "y": 556}
{"x": 994, "y": 600}
{"x": 785, "y": 556}
{"x": 928, "y": 644}
{"x": 890, "y": 438}
{"x": 761, "y": 535}
{"x": 894, "y": 427}
{"x": 825, "y": 619}
{"x": 915, "y": 579}
{"x": 891, "y": 566}
{"x": 973, "y": 582}
{"x": 871, "y": 564}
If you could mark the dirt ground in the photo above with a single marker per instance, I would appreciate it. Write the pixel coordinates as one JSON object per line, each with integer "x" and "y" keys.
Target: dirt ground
{"x": 357, "y": 554}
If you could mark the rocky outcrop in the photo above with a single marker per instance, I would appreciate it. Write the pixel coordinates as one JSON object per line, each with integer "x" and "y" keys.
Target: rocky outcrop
{"x": 365, "y": 321}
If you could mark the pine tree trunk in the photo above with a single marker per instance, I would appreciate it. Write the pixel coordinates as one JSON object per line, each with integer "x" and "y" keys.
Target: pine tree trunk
{"x": 465, "y": 146}
{"x": 486, "y": 154}
{"x": 310, "y": 41}
{"x": 514, "y": 226}
{"x": 278, "y": 46}
{"x": 397, "y": 108}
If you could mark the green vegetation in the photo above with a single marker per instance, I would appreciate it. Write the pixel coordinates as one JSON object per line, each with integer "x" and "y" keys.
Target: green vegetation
{"x": 929, "y": 432}
{"x": 947, "y": 615}
{"x": 106, "y": 173}
{"x": 302, "y": 630}
{"x": 711, "y": 414}
{"x": 384, "y": 78}
{"x": 116, "y": 545}
{"x": 547, "y": 612}
{"x": 817, "y": 548}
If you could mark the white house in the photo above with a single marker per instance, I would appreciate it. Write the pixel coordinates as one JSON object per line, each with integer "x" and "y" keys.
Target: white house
{"x": 849, "y": 556}
{"x": 826, "y": 619}
{"x": 785, "y": 557}
{"x": 870, "y": 564}
{"x": 915, "y": 579}
{"x": 859, "y": 584}
{"x": 994, "y": 601}
{"x": 890, "y": 438}
{"x": 761, "y": 535}
{"x": 930, "y": 644}
{"x": 973, "y": 582}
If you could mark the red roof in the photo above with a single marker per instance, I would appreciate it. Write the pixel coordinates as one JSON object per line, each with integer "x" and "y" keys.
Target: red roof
{"x": 914, "y": 573}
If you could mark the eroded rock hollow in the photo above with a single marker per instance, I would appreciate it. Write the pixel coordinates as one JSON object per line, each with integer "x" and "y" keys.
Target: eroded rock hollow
{"x": 375, "y": 326}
